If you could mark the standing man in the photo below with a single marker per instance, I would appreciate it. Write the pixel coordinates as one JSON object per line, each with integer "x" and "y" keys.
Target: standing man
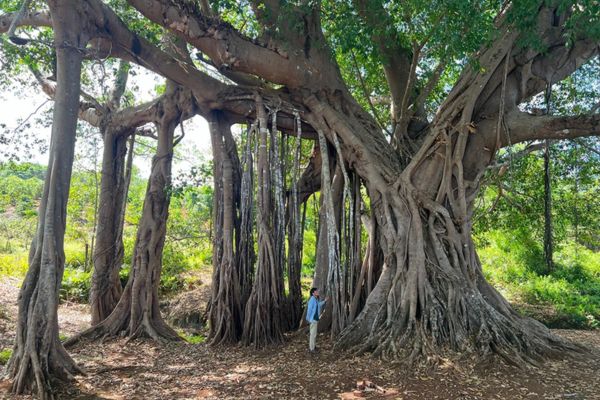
{"x": 312, "y": 316}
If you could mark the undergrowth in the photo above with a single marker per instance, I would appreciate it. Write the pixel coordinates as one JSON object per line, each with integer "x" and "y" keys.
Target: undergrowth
{"x": 566, "y": 297}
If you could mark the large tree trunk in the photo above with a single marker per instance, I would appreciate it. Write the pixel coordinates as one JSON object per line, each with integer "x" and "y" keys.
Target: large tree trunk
{"x": 106, "y": 286}
{"x": 137, "y": 312}
{"x": 431, "y": 295}
{"x": 108, "y": 253}
{"x": 38, "y": 357}
{"x": 322, "y": 256}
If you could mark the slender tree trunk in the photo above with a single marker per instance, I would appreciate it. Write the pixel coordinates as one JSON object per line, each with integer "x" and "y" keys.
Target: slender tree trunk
{"x": 96, "y": 200}
{"x": 106, "y": 286}
{"x": 246, "y": 256}
{"x": 548, "y": 232}
{"x": 38, "y": 357}
{"x": 320, "y": 278}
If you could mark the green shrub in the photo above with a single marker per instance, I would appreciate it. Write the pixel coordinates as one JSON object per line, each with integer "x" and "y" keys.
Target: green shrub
{"x": 5, "y": 356}
{"x": 76, "y": 285}
{"x": 75, "y": 254}
{"x": 309, "y": 253}
{"x": 124, "y": 274}
{"x": 15, "y": 264}
{"x": 199, "y": 259}
{"x": 174, "y": 265}
{"x": 193, "y": 338}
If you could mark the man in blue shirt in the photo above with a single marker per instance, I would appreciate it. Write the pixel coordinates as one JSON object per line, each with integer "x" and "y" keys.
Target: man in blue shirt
{"x": 312, "y": 316}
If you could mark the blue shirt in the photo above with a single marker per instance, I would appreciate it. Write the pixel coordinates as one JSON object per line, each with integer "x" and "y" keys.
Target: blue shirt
{"x": 314, "y": 309}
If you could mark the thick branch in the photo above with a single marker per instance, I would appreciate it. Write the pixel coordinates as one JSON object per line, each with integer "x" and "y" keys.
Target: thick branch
{"x": 531, "y": 70}
{"x": 524, "y": 126}
{"x": 129, "y": 46}
{"x": 29, "y": 19}
{"x": 224, "y": 45}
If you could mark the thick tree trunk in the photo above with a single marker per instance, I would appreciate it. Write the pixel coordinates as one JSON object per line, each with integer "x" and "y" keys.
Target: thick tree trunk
{"x": 137, "y": 312}
{"x": 106, "y": 286}
{"x": 38, "y": 357}
{"x": 431, "y": 295}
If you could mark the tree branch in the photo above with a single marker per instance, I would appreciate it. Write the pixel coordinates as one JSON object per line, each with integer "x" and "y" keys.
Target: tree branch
{"x": 90, "y": 112}
{"x": 523, "y": 126}
{"x": 587, "y": 147}
{"x": 38, "y": 19}
{"x": 532, "y": 70}
{"x": 396, "y": 59}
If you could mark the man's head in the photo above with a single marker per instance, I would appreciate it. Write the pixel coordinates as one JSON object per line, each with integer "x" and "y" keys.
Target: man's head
{"x": 314, "y": 292}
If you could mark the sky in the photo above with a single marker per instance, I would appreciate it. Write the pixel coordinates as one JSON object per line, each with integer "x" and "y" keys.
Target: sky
{"x": 17, "y": 105}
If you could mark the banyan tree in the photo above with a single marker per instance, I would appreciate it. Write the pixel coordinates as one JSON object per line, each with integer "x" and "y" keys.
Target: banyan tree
{"x": 404, "y": 106}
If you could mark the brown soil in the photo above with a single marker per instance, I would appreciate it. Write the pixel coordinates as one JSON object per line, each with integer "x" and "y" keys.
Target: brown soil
{"x": 144, "y": 370}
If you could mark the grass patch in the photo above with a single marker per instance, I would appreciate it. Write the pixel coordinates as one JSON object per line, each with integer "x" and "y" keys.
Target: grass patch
{"x": 5, "y": 356}
{"x": 193, "y": 338}
{"x": 14, "y": 264}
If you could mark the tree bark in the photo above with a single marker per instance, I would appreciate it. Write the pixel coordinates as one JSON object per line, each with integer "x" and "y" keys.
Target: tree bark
{"x": 39, "y": 359}
{"x": 322, "y": 256}
{"x": 295, "y": 240}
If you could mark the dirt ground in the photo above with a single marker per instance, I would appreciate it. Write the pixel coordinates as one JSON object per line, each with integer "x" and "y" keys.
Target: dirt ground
{"x": 144, "y": 370}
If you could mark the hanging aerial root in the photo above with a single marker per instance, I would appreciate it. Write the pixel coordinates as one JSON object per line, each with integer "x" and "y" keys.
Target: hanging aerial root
{"x": 263, "y": 311}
